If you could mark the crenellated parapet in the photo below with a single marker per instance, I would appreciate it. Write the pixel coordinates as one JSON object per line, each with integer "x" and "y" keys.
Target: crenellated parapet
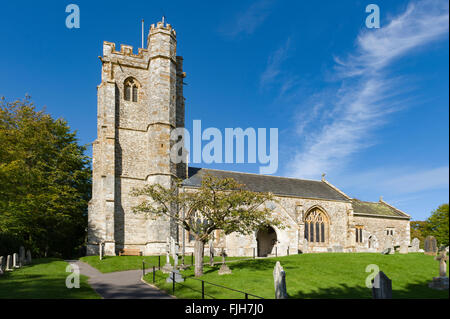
{"x": 125, "y": 56}
{"x": 163, "y": 28}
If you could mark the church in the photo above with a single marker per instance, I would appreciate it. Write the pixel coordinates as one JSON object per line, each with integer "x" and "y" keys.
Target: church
{"x": 140, "y": 101}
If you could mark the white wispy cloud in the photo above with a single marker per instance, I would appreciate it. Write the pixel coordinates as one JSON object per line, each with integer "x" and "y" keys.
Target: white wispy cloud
{"x": 397, "y": 181}
{"x": 368, "y": 93}
{"x": 274, "y": 66}
{"x": 249, "y": 20}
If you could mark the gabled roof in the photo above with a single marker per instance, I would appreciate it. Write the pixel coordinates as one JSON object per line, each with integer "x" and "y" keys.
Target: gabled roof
{"x": 377, "y": 209}
{"x": 268, "y": 183}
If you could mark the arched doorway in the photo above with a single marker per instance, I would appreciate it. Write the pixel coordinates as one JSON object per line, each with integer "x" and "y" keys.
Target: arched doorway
{"x": 266, "y": 239}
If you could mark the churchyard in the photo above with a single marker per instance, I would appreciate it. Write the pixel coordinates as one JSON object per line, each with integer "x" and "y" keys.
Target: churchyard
{"x": 43, "y": 279}
{"x": 308, "y": 276}
{"x": 312, "y": 276}
{"x": 121, "y": 263}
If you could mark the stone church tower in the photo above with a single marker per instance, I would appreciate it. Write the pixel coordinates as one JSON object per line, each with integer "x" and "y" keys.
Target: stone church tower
{"x": 140, "y": 101}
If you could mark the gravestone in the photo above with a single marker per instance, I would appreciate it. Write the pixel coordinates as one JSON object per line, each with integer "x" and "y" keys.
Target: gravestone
{"x": 172, "y": 246}
{"x": 382, "y": 286}
{"x": 167, "y": 267}
{"x": 100, "y": 250}
{"x": 338, "y": 249}
{"x": 9, "y": 263}
{"x": 330, "y": 250}
{"x": 389, "y": 244}
{"x": 16, "y": 260}
{"x": 175, "y": 260}
{"x": 1, "y": 265}
{"x": 415, "y": 243}
{"x": 441, "y": 282}
{"x": 22, "y": 260}
{"x": 305, "y": 245}
{"x": 28, "y": 257}
{"x": 211, "y": 253}
{"x": 386, "y": 251}
{"x": 175, "y": 273}
{"x": 403, "y": 249}
{"x": 430, "y": 245}
{"x": 279, "y": 280}
{"x": 175, "y": 276}
{"x": 224, "y": 269}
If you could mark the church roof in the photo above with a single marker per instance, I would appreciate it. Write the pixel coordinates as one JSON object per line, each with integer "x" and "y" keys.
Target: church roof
{"x": 268, "y": 183}
{"x": 377, "y": 209}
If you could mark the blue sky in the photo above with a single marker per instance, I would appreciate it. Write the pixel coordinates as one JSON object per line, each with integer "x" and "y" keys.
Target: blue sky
{"x": 367, "y": 106}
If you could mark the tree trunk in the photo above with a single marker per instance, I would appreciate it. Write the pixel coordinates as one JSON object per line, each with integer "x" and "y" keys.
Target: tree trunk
{"x": 198, "y": 253}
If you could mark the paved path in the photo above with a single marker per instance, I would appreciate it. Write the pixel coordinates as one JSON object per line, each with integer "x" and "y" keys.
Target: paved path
{"x": 119, "y": 285}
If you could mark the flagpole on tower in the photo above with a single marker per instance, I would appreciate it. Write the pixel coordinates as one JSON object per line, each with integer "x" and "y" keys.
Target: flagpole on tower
{"x": 142, "y": 33}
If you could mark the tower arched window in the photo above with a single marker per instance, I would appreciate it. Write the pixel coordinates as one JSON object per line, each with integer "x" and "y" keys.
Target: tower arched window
{"x": 131, "y": 90}
{"x": 316, "y": 226}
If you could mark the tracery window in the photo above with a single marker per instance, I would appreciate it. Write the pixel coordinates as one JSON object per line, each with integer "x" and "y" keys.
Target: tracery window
{"x": 316, "y": 226}
{"x": 131, "y": 90}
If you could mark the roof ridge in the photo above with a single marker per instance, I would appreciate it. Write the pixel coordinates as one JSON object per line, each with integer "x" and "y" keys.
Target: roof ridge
{"x": 394, "y": 208}
{"x": 221, "y": 170}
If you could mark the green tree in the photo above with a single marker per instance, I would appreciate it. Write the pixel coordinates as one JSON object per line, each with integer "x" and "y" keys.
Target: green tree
{"x": 438, "y": 224}
{"x": 45, "y": 180}
{"x": 419, "y": 229}
{"x": 218, "y": 204}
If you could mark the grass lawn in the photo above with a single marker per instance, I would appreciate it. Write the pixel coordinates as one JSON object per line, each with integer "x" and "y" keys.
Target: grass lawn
{"x": 320, "y": 275}
{"x": 121, "y": 263}
{"x": 43, "y": 279}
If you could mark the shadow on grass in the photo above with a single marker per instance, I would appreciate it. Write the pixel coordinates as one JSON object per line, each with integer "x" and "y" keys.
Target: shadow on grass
{"x": 411, "y": 291}
{"x": 254, "y": 264}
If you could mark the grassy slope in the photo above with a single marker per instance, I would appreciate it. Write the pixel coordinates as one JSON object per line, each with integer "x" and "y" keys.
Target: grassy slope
{"x": 43, "y": 279}
{"x": 328, "y": 275}
{"x": 121, "y": 263}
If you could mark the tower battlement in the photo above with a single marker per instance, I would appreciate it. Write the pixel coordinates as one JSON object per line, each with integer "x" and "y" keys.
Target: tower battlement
{"x": 160, "y": 27}
{"x": 109, "y": 50}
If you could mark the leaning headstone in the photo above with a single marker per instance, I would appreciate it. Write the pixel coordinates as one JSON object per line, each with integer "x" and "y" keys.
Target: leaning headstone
{"x": 224, "y": 269}
{"x": 9, "y": 266}
{"x": 1, "y": 265}
{"x": 279, "y": 280}
{"x": 28, "y": 257}
{"x": 16, "y": 260}
{"x": 415, "y": 243}
{"x": 441, "y": 282}
{"x": 22, "y": 260}
{"x": 382, "y": 287}
{"x": 430, "y": 245}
